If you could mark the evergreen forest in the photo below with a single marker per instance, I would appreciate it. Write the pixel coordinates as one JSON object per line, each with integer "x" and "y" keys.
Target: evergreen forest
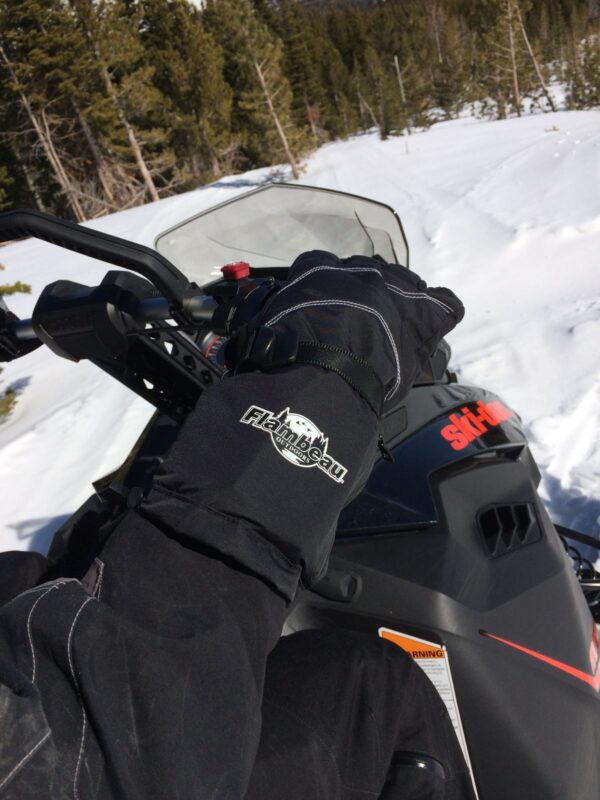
{"x": 108, "y": 104}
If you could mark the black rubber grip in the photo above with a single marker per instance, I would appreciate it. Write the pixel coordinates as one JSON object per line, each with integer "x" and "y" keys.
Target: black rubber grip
{"x": 120, "y": 252}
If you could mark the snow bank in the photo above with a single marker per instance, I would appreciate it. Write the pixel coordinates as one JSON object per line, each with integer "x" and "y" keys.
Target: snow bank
{"x": 506, "y": 213}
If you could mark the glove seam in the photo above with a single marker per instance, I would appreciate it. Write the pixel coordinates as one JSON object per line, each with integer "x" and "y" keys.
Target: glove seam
{"x": 349, "y": 304}
{"x": 251, "y": 529}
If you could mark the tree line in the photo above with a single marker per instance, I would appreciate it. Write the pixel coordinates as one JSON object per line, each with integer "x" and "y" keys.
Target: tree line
{"x": 107, "y": 104}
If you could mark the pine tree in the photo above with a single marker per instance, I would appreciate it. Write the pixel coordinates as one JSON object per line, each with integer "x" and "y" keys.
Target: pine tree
{"x": 55, "y": 88}
{"x": 535, "y": 61}
{"x": 5, "y": 184}
{"x": 188, "y": 66}
{"x": 452, "y": 81}
{"x": 508, "y": 73}
{"x": 133, "y": 110}
{"x": 337, "y": 111}
{"x": 341, "y": 114}
{"x": 8, "y": 398}
{"x": 35, "y": 42}
{"x": 583, "y": 64}
{"x": 413, "y": 46}
{"x": 262, "y": 112}
{"x": 380, "y": 91}
{"x": 301, "y": 62}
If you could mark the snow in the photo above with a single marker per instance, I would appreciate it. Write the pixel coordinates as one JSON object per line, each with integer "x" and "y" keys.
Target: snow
{"x": 506, "y": 213}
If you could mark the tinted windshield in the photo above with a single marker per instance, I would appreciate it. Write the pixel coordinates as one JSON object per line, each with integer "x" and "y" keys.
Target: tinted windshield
{"x": 270, "y": 226}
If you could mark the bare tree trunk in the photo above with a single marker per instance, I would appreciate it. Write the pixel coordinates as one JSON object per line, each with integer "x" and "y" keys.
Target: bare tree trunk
{"x": 47, "y": 145}
{"x": 361, "y": 109}
{"x": 112, "y": 93}
{"x": 133, "y": 141}
{"x": 29, "y": 180}
{"x": 341, "y": 110}
{"x": 402, "y": 92}
{"x": 214, "y": 160}
{"x": 103, "y": 174}
{"x": 434, "y": 13}
{"x": 72, "y": 191}
{"x": 545, "y": 89}
{"x": 513, "y": 56}
{"x": 310, "y": 118}
{"x": 370, "y": 110}
{"x": 281, "y": 133}
{"x": 400, "y": 82}
{"x": 59, "y": 170}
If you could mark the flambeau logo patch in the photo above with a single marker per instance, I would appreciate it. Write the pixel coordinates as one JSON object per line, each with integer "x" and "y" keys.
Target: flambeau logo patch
{"x": 297, "y": 439}
{"x": 470, "y": 424}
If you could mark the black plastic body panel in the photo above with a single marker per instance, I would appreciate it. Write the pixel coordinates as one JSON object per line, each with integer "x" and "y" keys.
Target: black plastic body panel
{"x": 533, "y": 729}
{"x": 398, "y": 495}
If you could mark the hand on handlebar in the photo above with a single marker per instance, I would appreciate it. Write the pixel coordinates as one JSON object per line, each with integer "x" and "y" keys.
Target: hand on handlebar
{"x": 381, "y": 314}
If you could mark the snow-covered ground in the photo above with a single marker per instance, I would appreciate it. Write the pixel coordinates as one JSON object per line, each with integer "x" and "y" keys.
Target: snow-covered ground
{"x": 506, "y": 213}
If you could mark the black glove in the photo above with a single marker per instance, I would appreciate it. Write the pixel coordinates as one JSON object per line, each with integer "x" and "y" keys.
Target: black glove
{"x": 378, "y": 315}
{"x": 269, "y": 457}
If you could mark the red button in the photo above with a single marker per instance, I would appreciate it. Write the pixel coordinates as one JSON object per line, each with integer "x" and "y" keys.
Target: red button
{"x": 236, "y": 271}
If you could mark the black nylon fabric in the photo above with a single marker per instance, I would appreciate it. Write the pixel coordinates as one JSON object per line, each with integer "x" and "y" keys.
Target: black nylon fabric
{"x": 381, "y": 313}
{"x": 167, "y": 679}
{"x": 225, "y": 483}
{"x": 338, "y": 708}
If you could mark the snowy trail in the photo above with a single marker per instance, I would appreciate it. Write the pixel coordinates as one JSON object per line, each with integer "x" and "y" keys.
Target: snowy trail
{"x": 506, "y": 213}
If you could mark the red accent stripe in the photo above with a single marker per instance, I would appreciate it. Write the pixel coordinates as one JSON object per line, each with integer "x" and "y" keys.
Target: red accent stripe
{"x": 211, "y": 345}
{"x": 591, "y": 680}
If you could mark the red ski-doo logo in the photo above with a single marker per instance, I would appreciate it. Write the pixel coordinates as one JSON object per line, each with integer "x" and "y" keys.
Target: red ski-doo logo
{"x": 297, "y": 439}
{"x": 469, "y": 425}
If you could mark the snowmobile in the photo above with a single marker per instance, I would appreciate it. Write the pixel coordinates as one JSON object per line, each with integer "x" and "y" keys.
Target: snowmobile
{"x": 448, "y": 551}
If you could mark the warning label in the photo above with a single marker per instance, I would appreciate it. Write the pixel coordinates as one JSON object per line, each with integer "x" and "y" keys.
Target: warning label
{"x": 433, "y": 660}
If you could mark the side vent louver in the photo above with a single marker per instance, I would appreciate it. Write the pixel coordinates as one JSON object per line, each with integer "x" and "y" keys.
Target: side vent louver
{"x": 508, "y": 527}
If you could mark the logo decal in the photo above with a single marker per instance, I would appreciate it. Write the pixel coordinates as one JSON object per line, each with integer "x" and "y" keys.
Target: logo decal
{"x": 297, "y": 439}
{"x": 471, "y": 424}
{"x": 592, "y": 680}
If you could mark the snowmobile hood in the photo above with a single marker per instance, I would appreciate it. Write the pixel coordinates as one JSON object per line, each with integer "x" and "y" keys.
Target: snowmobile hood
{"x": 437, "y": 427}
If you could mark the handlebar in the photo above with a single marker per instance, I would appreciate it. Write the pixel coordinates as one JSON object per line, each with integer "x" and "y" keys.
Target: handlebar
{"x": 106, "y": 324}
{"x": 120, "y": 252}
{"x": 153, "y": 309}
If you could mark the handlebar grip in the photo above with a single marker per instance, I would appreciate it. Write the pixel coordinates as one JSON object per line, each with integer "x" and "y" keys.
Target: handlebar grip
{"x": 120, "y": 252}
{"x": 152, "y": 309}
